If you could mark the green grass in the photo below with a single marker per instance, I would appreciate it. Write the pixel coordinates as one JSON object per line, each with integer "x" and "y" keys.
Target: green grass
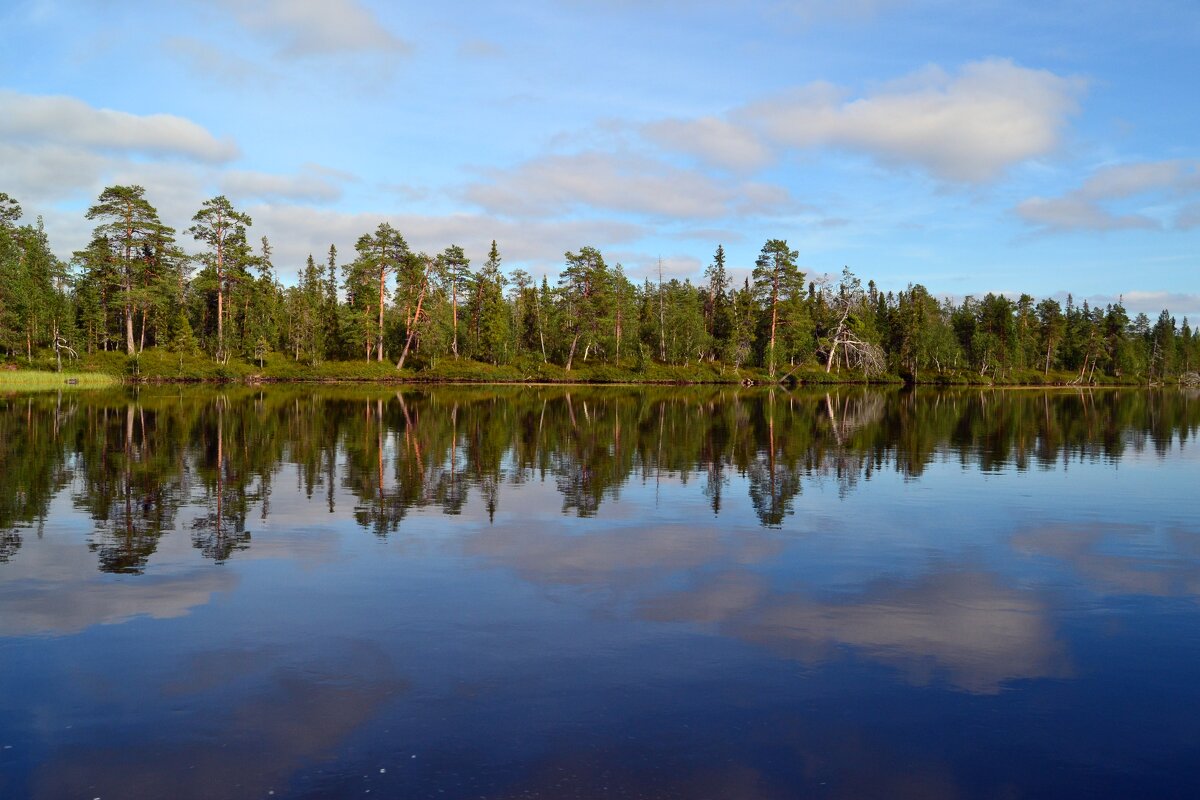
{"x": 107, "y": 368}
{"x": 24, "y": 380}
{"x": 1016, "y": 377}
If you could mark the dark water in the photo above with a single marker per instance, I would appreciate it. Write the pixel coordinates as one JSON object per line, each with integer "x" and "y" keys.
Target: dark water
{"x": 548, "y": 592}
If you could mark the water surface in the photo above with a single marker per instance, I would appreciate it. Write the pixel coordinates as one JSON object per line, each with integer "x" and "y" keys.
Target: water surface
{"x": 588, "y": 592}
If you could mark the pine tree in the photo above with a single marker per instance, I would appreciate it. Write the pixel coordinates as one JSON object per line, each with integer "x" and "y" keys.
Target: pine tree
{"x": 130, "y": 225}
{"x": 454, "y": 269}
{"x": 223, "y": 228}
{"x": 381, "y": 255}
{"x": 717, "y": 311}
{"x": 492, "y": 317}
{"x": 582, "y": 287}
{"x": 776, "y": 280}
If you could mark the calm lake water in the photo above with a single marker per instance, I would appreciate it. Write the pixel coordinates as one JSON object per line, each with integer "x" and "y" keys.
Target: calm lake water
{"x": 599, "y": 592}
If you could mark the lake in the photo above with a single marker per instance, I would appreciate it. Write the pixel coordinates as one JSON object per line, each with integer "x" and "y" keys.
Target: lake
{"x": 544, "y": 592}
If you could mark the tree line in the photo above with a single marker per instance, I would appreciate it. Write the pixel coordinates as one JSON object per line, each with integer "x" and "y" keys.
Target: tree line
{"x": 134, "y": 287}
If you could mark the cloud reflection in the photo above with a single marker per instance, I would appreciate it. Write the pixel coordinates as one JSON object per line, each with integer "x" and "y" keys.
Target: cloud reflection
{"x": 1120, "y": 559}
{"x": 273, "y": 714}
{"x": 961, "y": 627}
{"x": 964, "y": 629}
{"x": 62, "y": 607}
{"x": 616, "y": 556}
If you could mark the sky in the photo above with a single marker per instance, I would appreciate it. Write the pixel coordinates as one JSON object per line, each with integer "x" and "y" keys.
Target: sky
{"x": 970, "y": 147}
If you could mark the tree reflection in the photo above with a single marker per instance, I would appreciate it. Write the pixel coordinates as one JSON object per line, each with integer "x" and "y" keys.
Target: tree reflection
{"x": 33, "y": 463}
{"x": 10, "y": 543}
{"x": 128, "y": 466}
{"x": 140, "y": 461}
{"x": 220, "y": 530}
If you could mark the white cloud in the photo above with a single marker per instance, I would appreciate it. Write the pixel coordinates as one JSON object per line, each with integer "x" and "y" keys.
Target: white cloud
{"x": 968, "y": 127}
{"x": 481, "y": 48}
{"x": 712, "y": 140}
{"x": 806, "y": 11}
{"x": 307, "y": 185}
{"x": 49, "y": 172}
{"x": 213, "y": 65}
{"x": 1154, "y": 302}
{"x": 641, "y": 265}
{"x": 303, "y": 28}
{"x": 41, "y": 120}
{"x": 860, "y": 9}
{"x": 1087, "y": 208}
{"x": 557, "y": 184}
{"x": 1125, "y": 180}
{"x": 1188, "y": 217}
{"x": 1073, "y": 212}
{"x": 297, "y": 231}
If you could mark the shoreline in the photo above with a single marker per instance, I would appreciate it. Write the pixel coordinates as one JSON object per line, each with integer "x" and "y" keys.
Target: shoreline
{"x": 36, "y": 380}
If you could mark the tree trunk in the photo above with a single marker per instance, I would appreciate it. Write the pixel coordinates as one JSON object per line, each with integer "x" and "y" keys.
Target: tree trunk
{"x": 129, "y": 345}
{"x": 774, "y": 321}
{"x": 537, "y": 307}
{"x": 454, "y": 314}
{"x": 220, "y": 314}
{"x": 382, "y": 280}
{"x": 412, "y": 329}
{"x": 571, "y": 355}
{"x": 618, "y": 330}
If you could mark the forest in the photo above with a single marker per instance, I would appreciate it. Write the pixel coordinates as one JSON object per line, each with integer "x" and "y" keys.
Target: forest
{"x": 134, "y": 291}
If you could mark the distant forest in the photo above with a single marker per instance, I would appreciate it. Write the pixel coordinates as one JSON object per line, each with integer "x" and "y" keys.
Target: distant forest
{"x": 133, "y": 287}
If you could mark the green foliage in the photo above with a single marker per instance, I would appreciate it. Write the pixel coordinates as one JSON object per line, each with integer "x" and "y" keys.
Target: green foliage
{"x": 132, "y": 290}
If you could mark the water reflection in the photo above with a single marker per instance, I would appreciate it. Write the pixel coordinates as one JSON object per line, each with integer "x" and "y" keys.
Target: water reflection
{"x": 261, "y": 722}
{"x": 567, "y": 591}
{"x": 963, "y": 626}
{"x": 132, "y": 461}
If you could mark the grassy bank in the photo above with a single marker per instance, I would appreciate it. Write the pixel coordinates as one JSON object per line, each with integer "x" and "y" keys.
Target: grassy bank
{"x": 103, "y": 369}
{"x": 31, "y": 380}
{"x": 155, "y": 366}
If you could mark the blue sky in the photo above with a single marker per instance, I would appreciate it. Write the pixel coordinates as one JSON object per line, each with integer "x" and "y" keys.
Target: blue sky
{"x": 971, "y": 147}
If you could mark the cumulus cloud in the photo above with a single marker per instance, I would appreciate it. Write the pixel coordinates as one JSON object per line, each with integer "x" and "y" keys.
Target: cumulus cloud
{"x": 1125, "y": 180}
{"x": 558, "y": 184}
{"x": 303, "y": 28}
{"x": 214, "y": 65}
{"x": 967, "y": 127}
{"x": 48, "y": 173}
{"x": 712, "y": 140}
{"x": 1078, "y": 213}
{"x": 1087, "y": 208}
{"x": 42, "y": 120}
{"x": 56, "y": 149}
{"x": 298, "y": 230}
{"x": 309, "y": 185}
{"x": 1154, "y": 302}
